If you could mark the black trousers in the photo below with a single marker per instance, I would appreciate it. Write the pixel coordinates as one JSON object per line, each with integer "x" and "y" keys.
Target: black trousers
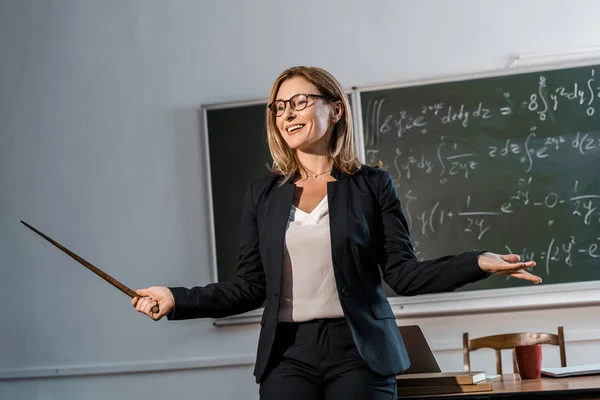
{"x": 318, "y": 360}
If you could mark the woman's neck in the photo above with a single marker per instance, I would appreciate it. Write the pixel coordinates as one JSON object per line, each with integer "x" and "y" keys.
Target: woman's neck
{"x": 316, "y": 164}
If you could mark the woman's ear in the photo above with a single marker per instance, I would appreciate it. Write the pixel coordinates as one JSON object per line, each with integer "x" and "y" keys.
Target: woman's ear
{"x": 337, "y": 111}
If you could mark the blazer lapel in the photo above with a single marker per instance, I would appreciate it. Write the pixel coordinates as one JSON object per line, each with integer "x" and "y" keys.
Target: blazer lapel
{"x": 337, "y": 196}
{"x": 282, "y": 204}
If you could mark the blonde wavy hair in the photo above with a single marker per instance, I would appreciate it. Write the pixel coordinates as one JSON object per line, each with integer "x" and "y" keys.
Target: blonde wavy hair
{"x": 341, "y": 146}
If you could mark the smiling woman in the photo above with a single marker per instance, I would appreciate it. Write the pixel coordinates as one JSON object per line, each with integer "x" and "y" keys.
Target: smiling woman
{"x": 331, "y": 124}
{"x": 318, "y": 233}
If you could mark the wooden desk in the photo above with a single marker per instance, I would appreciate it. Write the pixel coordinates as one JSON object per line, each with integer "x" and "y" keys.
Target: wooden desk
{"x": 510, "y": 386}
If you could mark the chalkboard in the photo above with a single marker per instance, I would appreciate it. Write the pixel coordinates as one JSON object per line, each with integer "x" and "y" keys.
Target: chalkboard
{"x": 508, "y": 163}
{"x": 238, "y": 153}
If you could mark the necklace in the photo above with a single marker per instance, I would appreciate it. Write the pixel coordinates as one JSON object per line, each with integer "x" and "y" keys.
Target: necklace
{"x": 314, "y": 174}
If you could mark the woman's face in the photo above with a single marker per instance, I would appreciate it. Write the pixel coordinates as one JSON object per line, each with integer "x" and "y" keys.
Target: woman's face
{"x": 308, "y": 130}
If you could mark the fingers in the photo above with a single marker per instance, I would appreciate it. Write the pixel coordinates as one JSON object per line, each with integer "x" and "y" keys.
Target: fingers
{"x": 528, "y": 264}
{"x": 511, "y": 258}
{"x": 145, "y": 302}
{"x": 515, "y": 260}
{"x": 151, "y": 297}
{"x": 144, "y": 305}
{"x": 144, "y": 292}
{"x": 519, "y": 266}
{"x": 518, "y": 271}
{"x": 522, "y": 274}
{"x": 516, "y": 268}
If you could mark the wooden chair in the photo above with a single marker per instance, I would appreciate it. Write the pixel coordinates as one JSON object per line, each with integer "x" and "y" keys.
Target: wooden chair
{"x": 509, "y": 341}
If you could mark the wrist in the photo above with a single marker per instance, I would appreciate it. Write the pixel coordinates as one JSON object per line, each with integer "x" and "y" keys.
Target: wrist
{"x": 480, "y": 264}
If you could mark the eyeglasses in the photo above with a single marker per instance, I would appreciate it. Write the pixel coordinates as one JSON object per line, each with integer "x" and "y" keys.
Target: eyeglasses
{"x": 298, "y": 102}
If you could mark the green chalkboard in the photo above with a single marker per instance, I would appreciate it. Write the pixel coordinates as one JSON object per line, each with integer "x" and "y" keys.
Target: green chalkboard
{"x": 238, "y": 153}
{"x": 508, "y": 163}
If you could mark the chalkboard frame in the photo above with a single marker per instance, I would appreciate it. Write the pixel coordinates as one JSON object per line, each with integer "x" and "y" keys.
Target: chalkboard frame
{"x": 497, "y": 299}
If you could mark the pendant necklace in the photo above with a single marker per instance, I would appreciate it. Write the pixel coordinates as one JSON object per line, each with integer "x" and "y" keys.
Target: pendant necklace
{"x": 314, "y": 174}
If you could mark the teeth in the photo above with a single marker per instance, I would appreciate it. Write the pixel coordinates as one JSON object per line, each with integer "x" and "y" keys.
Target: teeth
{"x": 294, "y": 127}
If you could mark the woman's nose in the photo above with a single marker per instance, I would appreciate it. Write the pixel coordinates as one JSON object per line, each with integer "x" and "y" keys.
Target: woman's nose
{"x": 289, "y": 113}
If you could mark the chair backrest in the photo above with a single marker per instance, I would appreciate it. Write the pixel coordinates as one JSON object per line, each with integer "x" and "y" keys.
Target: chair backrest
{"x": 509, "y": 341}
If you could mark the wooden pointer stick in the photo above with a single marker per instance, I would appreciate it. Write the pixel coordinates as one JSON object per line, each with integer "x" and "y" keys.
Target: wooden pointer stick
{"x": 91, "y": 267}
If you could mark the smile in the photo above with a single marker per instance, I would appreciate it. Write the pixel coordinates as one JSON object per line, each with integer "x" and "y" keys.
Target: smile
{"x": 294, "y": 128}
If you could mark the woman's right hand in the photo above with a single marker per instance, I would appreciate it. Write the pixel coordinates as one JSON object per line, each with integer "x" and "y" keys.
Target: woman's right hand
{"x": 152, "y": 296}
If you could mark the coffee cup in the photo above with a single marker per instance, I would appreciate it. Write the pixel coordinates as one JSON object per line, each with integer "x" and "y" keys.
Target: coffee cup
{"x": 529, "y": 361}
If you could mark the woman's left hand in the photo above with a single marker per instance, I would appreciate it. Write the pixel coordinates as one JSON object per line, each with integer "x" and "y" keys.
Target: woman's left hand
{"x": 507, "y": 265}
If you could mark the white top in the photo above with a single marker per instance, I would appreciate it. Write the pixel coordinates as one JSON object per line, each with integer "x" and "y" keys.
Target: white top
{"x": 308, "y": 289}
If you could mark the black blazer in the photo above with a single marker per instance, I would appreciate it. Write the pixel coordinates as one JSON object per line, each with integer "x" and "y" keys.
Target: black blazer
{"x": 368, "y": 231}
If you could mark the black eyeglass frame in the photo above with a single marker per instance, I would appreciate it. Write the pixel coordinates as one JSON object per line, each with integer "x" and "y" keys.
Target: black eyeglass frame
{"x": 274, "y": 109}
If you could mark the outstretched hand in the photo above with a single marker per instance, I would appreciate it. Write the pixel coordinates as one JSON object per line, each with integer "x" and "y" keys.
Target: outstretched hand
{"x": 155, "y": 295}
{"x": 507, "y": 265}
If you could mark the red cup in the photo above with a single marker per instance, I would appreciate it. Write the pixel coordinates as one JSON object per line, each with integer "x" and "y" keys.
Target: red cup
{"x": 529, "y": 361}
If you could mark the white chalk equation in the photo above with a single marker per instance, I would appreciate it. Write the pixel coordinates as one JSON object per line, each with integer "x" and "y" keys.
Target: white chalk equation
{"x": 508, "y": 162}
{"x": 449, "y": 161}
{"x": 583, "y": 206}
{"x": 544, "y": 102}
{"x": 473, "y": 223}
{"x": 527, "y": 151}
{"x": 428, "y": 221}
{"x": 560, "y": 253}
{"x": 454, "y": 160}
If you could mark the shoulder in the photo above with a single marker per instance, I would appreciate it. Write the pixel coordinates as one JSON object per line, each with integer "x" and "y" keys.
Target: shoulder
{"x": 373, "y": 175}
{"x": 265, "y": 180}
{"x": 379, "y": 181}
{"x": 263, "y": 184}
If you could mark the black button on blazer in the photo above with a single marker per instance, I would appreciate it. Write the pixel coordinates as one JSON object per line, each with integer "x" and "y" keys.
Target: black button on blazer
{"x": 368, "y": 232}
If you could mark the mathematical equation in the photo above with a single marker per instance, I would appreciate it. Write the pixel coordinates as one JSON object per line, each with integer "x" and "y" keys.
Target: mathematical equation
{"x": 475, "y": 223}
{"x": 584, "y": 207}
{"x": 501, "y": 164}
{"x": 451, "y": 161}
{"x": 560, "y": 253}
{"x": 544, "y": 103}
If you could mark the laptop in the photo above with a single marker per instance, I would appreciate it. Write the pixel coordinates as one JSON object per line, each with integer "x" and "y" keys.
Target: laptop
{"x": 579, "y": 370}
{"x": 422, "y": 359}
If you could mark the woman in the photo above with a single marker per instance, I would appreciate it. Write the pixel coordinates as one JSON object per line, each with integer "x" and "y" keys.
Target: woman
{"x": 314, "y": 233}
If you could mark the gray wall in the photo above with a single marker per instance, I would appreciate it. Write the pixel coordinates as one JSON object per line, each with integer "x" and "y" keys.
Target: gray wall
{"x": 101, "y": 147}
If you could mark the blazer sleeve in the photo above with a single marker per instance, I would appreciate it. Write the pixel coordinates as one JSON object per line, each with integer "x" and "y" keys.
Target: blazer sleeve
{"x": 401, "y": 270}
{"x": 244, "y": 292}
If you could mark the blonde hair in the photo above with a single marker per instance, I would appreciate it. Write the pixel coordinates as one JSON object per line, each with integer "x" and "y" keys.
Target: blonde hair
{"x": 341, "y": 146}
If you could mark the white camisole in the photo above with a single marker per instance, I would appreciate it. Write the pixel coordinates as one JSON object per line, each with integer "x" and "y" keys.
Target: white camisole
{"x": 308, "y": 288}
